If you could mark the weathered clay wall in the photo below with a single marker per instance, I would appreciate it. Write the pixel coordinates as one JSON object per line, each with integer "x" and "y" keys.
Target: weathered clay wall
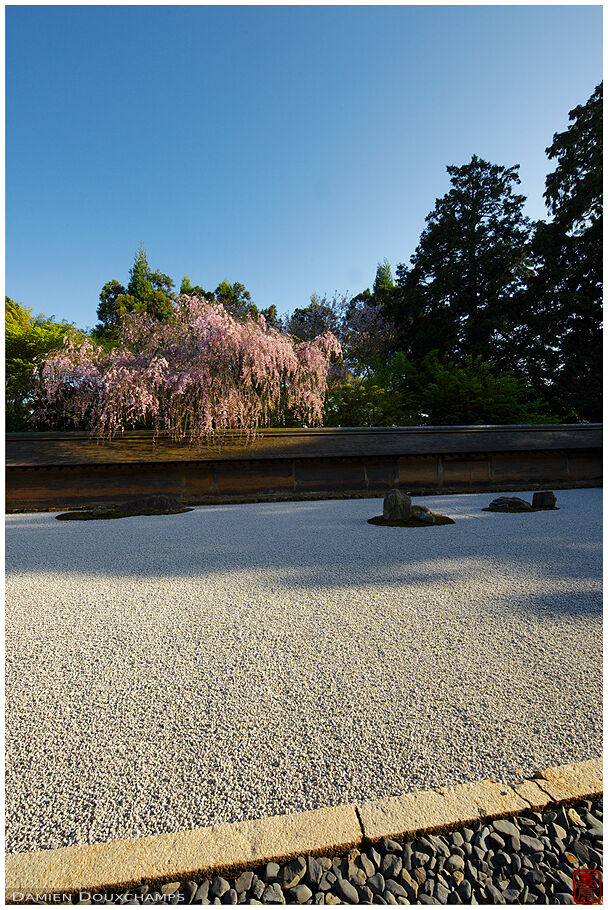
{"x": 67, "y": 470}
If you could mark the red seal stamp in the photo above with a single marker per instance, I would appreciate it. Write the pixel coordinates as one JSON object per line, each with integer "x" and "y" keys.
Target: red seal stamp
{"x": 587, "y": 886}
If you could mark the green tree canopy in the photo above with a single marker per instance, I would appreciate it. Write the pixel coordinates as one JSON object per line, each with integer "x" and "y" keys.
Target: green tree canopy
{"x": 433, "y": 391}
{"x": 236, "y": 299}
{"x": 194, "y": 290}
{"x": 566, "y": 290}
{"x": 28, "y": 339}
{"x": 383, "y": 283}
{"x": 147, "y": 292}
{"x": 457, "y": 294}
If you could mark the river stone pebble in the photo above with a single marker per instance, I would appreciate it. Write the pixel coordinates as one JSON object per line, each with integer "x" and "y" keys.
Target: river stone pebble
{"x": 409, "y": 883}
{"x": 271, "y": 872}
{"x": 219, "y": 886}
{"x": 505, "y": 828}
{"x": 326, "y": 883}
{"x": 202, "y": 892}
{"x": 300, "y": 894}
{"x": 186, "y": 891}
{"x": 292, "y": 874}
{"x": 532, "y": 844}
{"x": 434, "y": 869}
{"x": 391, "y": 865}
{"x": 438, "y": 845}
{"x": 390, "y": 846}
{"x": 273, "y": 895}
{"x": 243, "y": 882}
{"x": 575, "y": 817}
{"x": 454, "y": 863}
{"x": 375, "y": 857}
{"x": 479, "y": 840}
{"x": 395, "y": 888}
{"x": 347, "y": 891}
{"x": 376, "y": 883}
{"x": 366, "y": 865}
{"x": 314, "y": 871}
{"x": 441, "y": 893}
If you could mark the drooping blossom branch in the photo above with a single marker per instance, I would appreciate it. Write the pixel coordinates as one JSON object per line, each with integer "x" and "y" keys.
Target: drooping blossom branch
{"x": 195, "y": 376}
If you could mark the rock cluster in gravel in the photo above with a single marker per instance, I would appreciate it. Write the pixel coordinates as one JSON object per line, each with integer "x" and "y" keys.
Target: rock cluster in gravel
{"x": 541, "y": 501}
{"x": 526, "y": 859}
{"x": 155, "y": 504}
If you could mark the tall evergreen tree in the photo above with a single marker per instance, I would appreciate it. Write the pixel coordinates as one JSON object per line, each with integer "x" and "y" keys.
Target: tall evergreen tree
{"x": 383, "y": 284}
{"x": 566, "y": 289}
{"x": 458, "y": 293}
{"x": 147, "y": 292}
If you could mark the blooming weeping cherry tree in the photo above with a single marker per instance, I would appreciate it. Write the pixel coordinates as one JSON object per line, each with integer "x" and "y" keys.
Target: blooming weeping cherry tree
{"x": 201, "y": 373}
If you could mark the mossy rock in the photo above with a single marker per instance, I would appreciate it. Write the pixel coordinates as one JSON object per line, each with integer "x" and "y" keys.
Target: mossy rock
{"x": 519, "y": 511}
{"x": 107, "y": 514}
{"x": 411, "y": 522}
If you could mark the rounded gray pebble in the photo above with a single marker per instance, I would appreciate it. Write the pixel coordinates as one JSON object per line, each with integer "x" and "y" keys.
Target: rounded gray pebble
{"x": 300, "y": 894}
{"x": 273, "y": 895}
{"x": 347, "y": 891}
{"x": 376, "y": 883}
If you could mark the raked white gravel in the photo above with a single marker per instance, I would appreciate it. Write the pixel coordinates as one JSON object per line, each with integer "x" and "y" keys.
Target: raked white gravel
{"x": 166, "y": 672}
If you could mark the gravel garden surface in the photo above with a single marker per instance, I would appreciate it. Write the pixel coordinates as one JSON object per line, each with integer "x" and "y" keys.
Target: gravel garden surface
{"x": 166, "y": 672}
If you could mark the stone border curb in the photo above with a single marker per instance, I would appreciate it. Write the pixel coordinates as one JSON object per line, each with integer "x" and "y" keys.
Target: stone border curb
{"x": 203, "y": 852}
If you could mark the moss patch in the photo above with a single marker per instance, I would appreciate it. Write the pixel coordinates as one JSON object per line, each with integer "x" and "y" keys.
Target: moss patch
{"x": 112, "y": 513}
{"x": 411, "y": 522}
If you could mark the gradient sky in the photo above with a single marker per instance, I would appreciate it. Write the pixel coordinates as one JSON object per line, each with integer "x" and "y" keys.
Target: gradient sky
{"x": 289, "y": 148}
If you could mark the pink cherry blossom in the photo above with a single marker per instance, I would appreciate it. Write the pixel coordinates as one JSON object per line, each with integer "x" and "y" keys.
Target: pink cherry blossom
{"x": 195, "y": 376}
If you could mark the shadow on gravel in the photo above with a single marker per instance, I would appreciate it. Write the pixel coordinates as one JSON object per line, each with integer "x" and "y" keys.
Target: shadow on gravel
{"x": 327, "y": 545}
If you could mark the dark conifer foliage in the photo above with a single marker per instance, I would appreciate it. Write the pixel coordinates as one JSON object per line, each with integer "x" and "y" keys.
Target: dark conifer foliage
{"x": 565, "y": 292}
{"x": 457, "y": 295}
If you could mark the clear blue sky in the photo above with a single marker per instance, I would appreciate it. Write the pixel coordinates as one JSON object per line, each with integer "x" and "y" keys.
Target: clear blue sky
{"x": 290, "y": 148}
